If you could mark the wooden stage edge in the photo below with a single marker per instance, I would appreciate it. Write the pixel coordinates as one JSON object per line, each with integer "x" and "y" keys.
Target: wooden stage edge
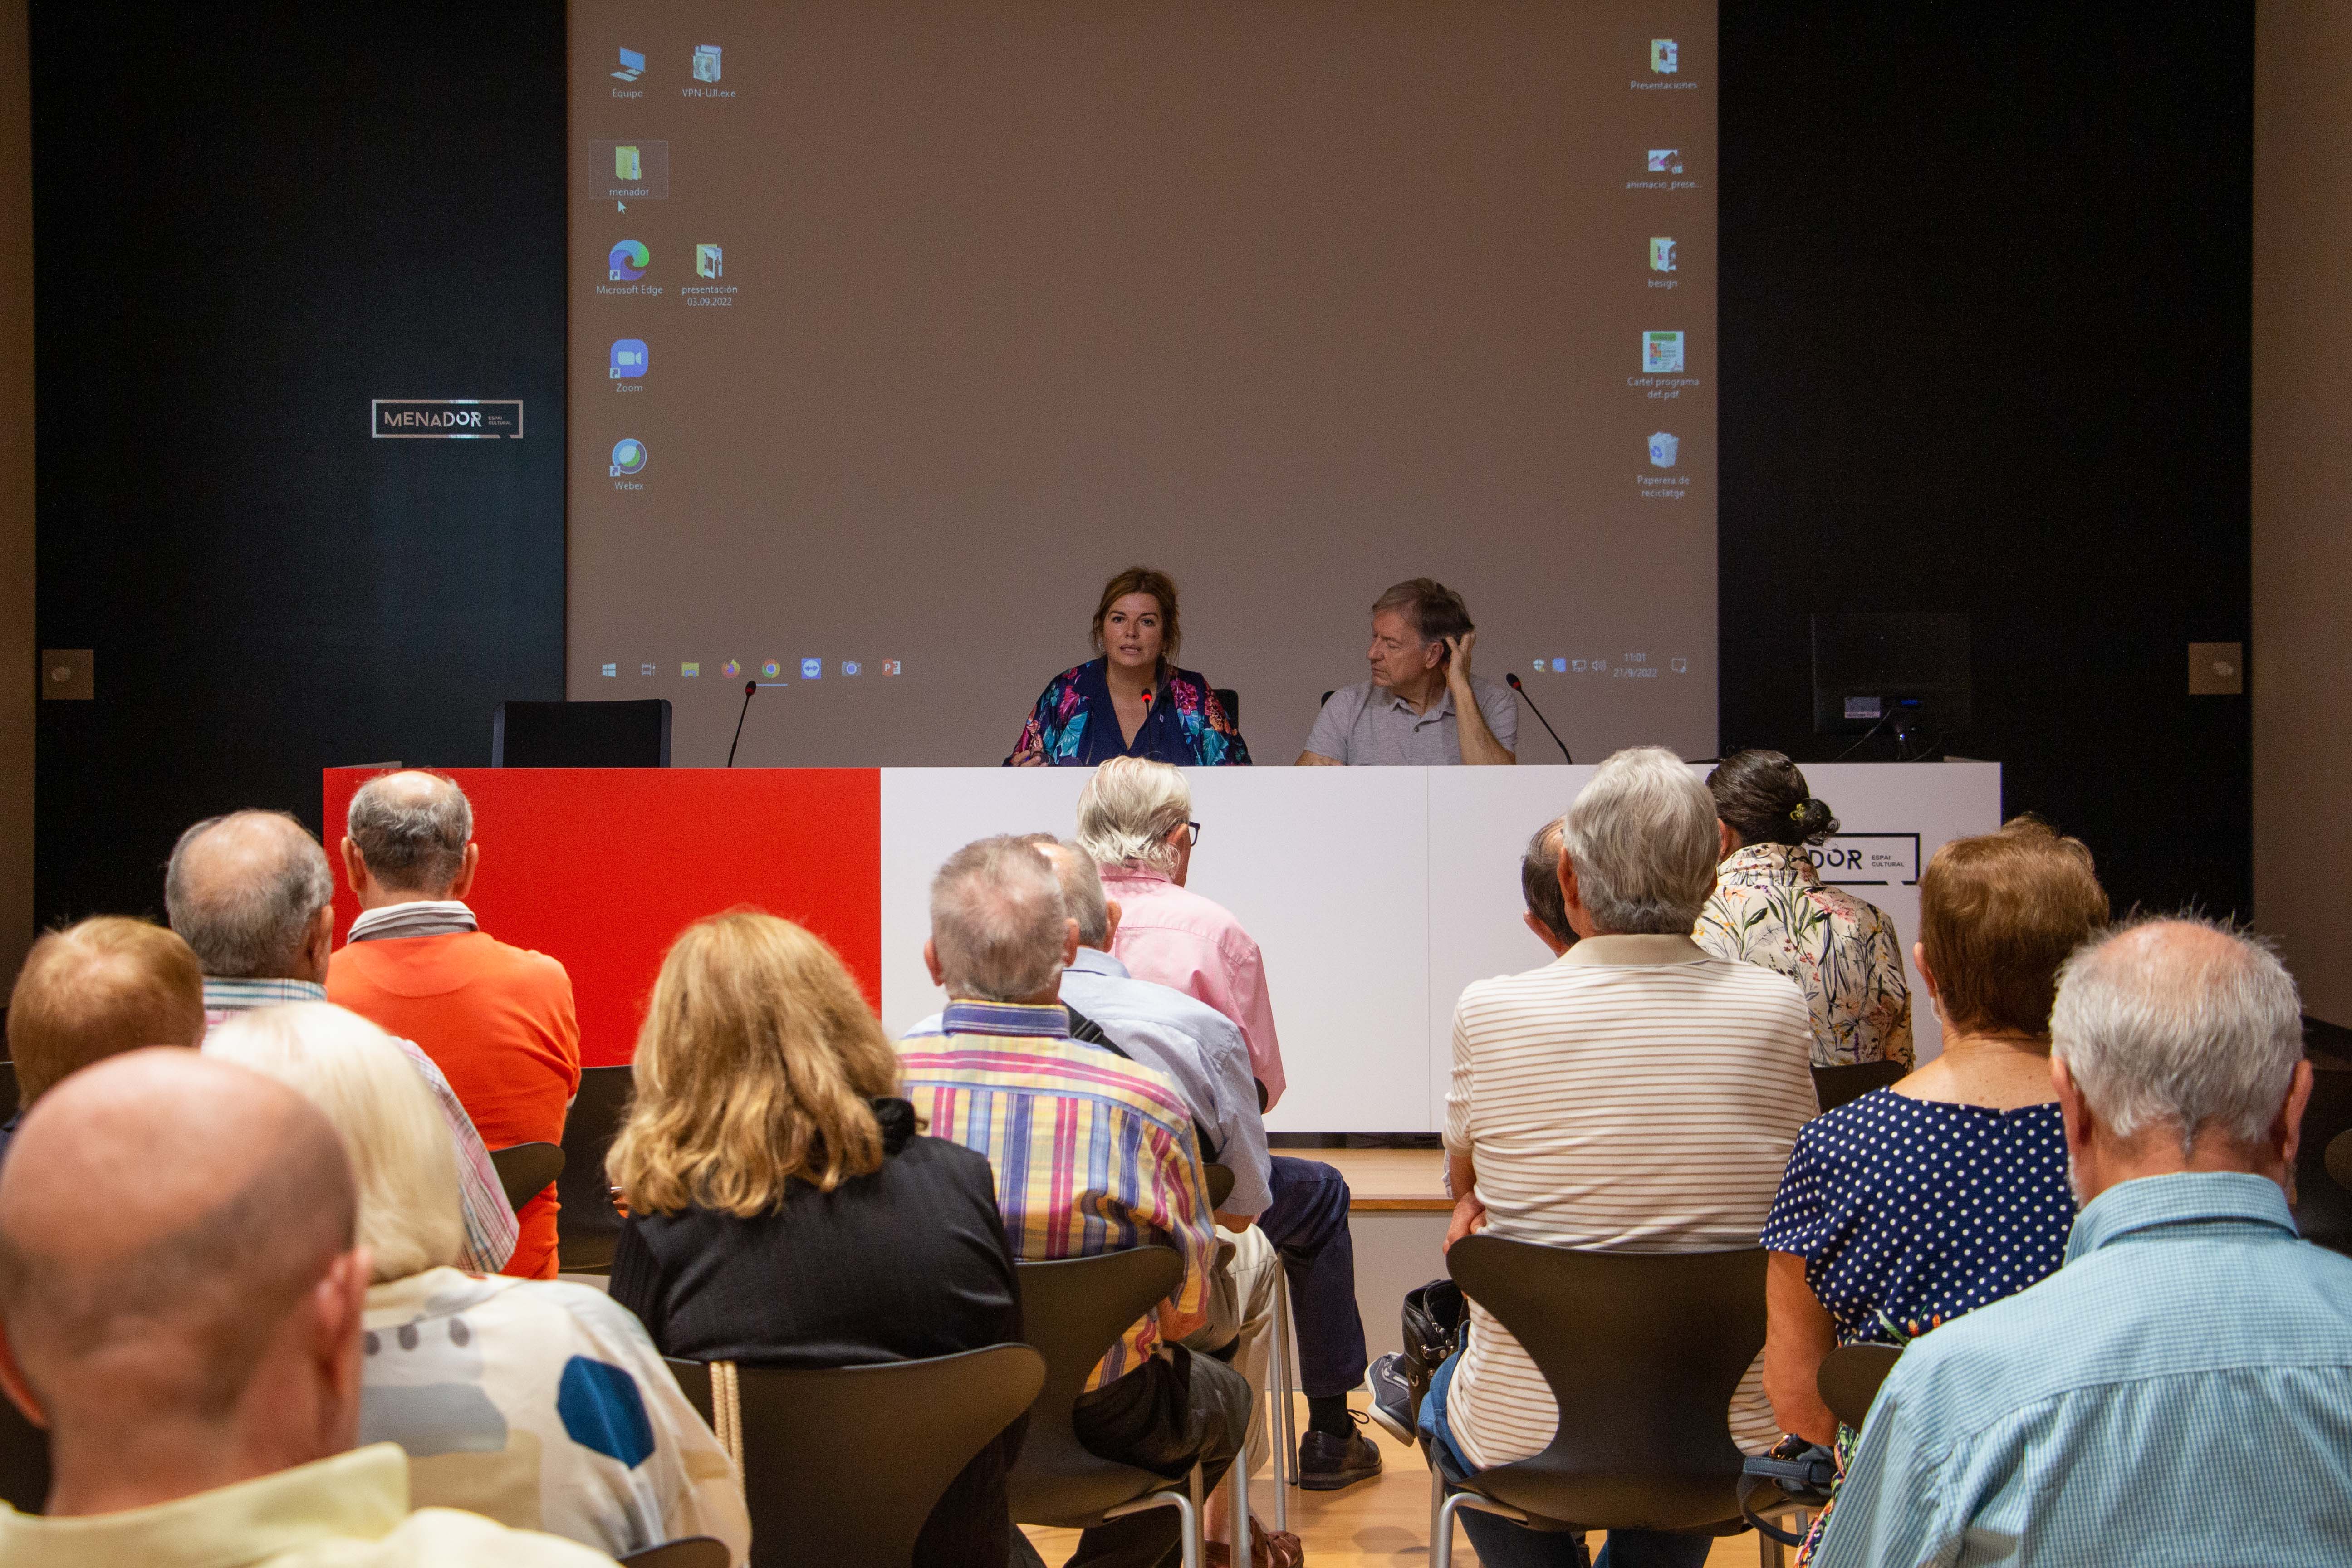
{"x": 1387, "y": 1180}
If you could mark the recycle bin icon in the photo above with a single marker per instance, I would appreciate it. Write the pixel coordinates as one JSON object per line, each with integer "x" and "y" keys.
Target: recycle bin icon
{"x": 1663, "y": 449}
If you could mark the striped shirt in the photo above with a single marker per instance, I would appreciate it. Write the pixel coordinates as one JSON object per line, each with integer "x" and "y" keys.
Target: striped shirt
{"x": 490, "y": 1224}
{"x": 1636, "y": 1095}
{"x": 1092, "y": 1155}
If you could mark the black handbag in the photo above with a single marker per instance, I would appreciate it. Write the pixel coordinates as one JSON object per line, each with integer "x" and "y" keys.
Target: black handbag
{"x": 1793, "y": 1475}
{"x": 1433, "y": 1317}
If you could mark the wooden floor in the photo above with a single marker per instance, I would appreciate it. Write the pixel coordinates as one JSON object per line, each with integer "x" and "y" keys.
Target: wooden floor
{"x": 1378, "y": 1523}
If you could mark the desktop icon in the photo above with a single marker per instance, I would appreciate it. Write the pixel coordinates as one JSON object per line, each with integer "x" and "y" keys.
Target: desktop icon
{"x": 1679, "y": 666}
{"x": 612, "y": 670}
{"x": 627, "y": 165}
{"x": 706, "y": 62}
{"x": 1662, "y": 352}
{"x": 1663, "y": 449}
{"x": 730, "y": 669}
{"x": 1580, "y": 665}
{"x": 690, "y": 671}
{"x": 1560, "y": 666}
{"x": 645, "y": 669}
{"x": 709, "y": 262}
{"x": 812, "y": 669}
{"x": 891, "y": 666}
{"x": 628, "y": 457}
{"x": 1662, "y": 255}
{"x": 1664, "y": 58}
{"x": 629, "y": 358}
{"x": 771, "y": 669}
{"x": 1663, "y": 161}
{"x": 628, "y": 261}
{"x": 1539, "y": 667}
{"x": 633, "y": 66}
{"x": 851, "y": 667}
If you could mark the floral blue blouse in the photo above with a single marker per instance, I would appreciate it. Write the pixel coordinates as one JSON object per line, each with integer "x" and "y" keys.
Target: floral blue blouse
{"x": 1074, "y": 725}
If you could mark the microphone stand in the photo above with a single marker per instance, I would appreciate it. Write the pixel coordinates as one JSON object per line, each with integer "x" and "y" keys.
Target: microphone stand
{"x": 1512, "y": 677}
{"x": 749, "y": 688}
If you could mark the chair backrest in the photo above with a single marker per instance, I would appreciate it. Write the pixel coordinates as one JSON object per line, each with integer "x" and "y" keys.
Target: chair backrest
{"x": 842, "y": 1466}
{"x": 1221, "y": 1185}
{"x": 1231, "y": 701}
{"x": 1849, "y": 1379}
{"x": 526, "y": 1170}
{"x": 2323, "y": 1209}
{"x": 2338, "y": 1158}
{"x": 1643, "y": 1352}
{"x": 687, "y": 1551}
{"x": 1838, "y": 1086}
{"x": 588, "y": 1225}
{"x": 23, "y": 1461}
{"x": 633, "y": 734}
{"x": 1073, "y": 1310}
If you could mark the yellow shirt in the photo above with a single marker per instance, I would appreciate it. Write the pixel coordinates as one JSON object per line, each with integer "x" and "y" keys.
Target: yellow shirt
{"x": 349, "y": 1511}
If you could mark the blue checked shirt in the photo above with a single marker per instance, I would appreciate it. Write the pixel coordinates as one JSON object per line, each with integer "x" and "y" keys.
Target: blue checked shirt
{"x": 2180, "y": 1392}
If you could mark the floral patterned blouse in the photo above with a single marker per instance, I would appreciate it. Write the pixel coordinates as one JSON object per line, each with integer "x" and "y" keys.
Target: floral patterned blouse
{"x": 1771, "y": 908}
{"x": 1074, "y": 725}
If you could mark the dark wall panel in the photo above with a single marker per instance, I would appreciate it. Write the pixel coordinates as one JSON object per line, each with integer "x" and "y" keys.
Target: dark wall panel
{"x": 1986, "y": 312}
{"x": 247, "y": 224}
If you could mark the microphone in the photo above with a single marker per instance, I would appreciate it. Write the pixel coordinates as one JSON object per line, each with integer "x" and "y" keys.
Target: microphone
{"x": 751, "y": 686}
{"x": 1512, "y": 677}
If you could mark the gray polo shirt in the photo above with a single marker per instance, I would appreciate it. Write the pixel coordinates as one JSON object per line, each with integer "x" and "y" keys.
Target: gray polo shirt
{"x": 1370, "y": 724}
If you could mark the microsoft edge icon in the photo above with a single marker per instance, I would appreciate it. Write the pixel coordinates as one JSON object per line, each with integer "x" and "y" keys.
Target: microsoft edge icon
{"x": 628, "y": 457}
{"x": 628, "y": 261}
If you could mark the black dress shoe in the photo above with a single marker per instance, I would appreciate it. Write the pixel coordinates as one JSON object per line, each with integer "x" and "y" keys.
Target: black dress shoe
{"x": 1326, "y": 1463}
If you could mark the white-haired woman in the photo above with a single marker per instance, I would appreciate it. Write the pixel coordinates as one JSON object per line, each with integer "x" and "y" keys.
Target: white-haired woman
{"x": 537, "y": 1403}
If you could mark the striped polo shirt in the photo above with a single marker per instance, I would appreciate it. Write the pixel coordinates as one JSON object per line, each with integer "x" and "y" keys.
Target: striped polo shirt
{"x": 1092, "y": 1153}
{"x": 1636, "y": 1095}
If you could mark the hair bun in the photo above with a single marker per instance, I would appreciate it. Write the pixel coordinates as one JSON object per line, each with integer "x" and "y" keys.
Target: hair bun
{"x": 1813, "y": 817}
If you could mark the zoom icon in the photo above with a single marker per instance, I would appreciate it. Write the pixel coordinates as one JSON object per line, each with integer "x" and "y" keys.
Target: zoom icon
{"x": 628, "y": 261}
{"x": 628, "y": 458}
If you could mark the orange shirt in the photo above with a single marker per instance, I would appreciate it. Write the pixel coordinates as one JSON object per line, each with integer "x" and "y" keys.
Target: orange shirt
{"x": 499, "y": 1022}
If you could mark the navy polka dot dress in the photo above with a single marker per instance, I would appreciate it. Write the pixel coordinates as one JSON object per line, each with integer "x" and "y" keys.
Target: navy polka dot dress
{"x": 1910, "y": 1212}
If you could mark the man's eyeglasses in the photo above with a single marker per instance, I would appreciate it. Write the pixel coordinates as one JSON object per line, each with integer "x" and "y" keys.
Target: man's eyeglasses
{"x": 1195, "y": 836}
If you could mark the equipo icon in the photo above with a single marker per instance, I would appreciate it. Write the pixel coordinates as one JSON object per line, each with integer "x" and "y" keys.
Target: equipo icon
{"x": 633, "y": 66}
{"x": 628, "y": 261}
{"x": 628, "y": 457}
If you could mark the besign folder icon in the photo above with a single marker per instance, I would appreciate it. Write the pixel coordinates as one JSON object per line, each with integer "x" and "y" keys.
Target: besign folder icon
{"x": 706, "y": 62}
{"x": 626, "y": 165}
{"x": 1661, "y": 255}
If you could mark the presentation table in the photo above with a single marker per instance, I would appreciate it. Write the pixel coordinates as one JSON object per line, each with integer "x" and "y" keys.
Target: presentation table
{"x": 1376, "y": 893}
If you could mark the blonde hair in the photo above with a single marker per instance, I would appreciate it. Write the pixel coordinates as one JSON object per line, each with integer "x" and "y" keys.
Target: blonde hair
{"x": 1129, "y": 808}
{"x": 96, "y": 989}
{"x": 756, "y": 1059}
{"x": 411, "y": 1217}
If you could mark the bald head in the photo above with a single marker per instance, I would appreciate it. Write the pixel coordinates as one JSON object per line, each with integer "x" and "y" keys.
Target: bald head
{"x": 248, "y": 891}
{"x": 2179, "y": 1025}
{"x": 411, "y": 829}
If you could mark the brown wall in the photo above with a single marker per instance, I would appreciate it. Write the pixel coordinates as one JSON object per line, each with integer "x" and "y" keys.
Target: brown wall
{"x": 16, "y": 651}
{"x": 2301, "y": 663}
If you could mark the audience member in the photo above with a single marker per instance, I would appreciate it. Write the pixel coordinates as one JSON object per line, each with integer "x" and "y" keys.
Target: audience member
{"x": 93, "y": 990}
{"x": 1909, "y": 1206}
{"x": 537, "y": 1403}
{"x": 252, "y": 894}
{"x": 783, "y": 1210}
{"x": 182, "y": 1297}
{"x": 1636, "y": 1094}
{"x": 1134, "y": 818}
{"x": 1300, "y": 1205}
{"x": 498, "y": 1019}
{"x": 1770, "y": 906}
{"x": 2180, "y": 1391}
{"x": 1090, "y": 1154}
{"x": 1546, "y": 914}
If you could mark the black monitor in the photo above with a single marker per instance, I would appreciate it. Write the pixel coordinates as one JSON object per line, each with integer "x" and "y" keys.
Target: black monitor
{"x": 1905, "y": 673}
{"x": 581, "y": 734}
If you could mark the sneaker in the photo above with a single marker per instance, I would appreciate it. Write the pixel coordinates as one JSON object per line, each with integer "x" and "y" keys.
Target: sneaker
{"x": 1326, "y": 1463}
{"x": 1392, "y": 1396}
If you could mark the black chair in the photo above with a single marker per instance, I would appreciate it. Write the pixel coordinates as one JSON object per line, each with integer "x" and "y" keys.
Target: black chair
{"x": 1839, "y": 1086}
{"x": 1849, "y": 1379}
{"x": 842, "y": 1466}
{"x": 687, "y": 1551}
{"x": 2338, "y": 1158}
{"x": 23, "y": 1461}
{"x": 1073, "y": 1310}
{"x": 526, "y": 1170}
{"x": 1231, "y": 701}
{"x": 581, "y": 734}
{"x": 2323, "y": 1208}
{"x": 1221, "y": 1187}
{"x": 588, "y": 1226}
{"x": 1641, "y": 1352}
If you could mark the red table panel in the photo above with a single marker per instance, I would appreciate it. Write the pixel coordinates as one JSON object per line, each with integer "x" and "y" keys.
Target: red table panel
{"x": 602, "y": 867}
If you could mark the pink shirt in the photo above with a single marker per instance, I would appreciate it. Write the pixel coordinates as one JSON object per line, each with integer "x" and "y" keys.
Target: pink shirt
{"x": 1177, "y": 938}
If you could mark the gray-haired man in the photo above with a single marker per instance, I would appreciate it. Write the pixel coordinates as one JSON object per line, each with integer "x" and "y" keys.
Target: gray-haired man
{"x": 1422, "y": 706}
{"x": 2192, "y": 1345}
{"x": 251, "y": 893}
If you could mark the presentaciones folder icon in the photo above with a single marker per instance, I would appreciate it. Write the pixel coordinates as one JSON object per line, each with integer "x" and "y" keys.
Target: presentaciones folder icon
{"x": 626, "y": 165}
